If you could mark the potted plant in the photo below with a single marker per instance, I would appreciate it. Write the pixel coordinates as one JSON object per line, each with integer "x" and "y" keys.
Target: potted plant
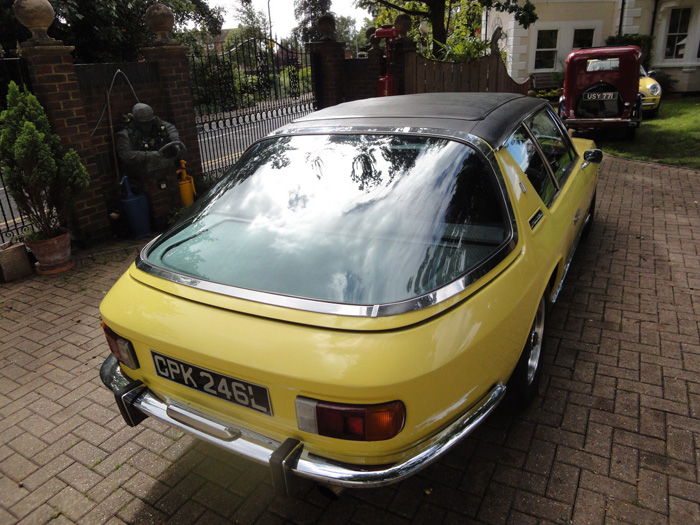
{"x": 41, "y": 180}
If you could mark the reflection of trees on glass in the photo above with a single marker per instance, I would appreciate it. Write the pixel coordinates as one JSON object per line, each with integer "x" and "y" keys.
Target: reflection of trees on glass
{"x": 399, "y": 154}
{"x": 269, "y": 152}
{"x": 189, "y": 256}
{"x": 472, "y": 227}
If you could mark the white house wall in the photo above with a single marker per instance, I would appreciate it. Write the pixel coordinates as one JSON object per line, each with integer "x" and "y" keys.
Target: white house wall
{"x": 603, "y": 16}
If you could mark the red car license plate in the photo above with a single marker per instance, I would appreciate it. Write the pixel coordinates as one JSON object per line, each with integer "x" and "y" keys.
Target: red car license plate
{"x": 608, "y": 95}
{"x": 218, "y": 385}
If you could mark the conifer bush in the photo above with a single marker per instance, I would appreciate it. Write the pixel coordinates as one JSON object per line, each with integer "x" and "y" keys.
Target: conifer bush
{"x": 41, "y": 180}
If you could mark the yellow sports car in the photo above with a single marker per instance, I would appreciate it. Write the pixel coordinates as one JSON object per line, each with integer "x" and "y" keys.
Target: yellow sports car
{"x": 359, "y": 291}
{"x": 651, "y": 91}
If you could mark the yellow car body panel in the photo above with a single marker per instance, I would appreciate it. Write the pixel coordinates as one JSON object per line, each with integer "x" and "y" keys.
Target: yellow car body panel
{"x": 441, "y": 358}
{"x": 649, "y": 102}
{"x": 438, "y": 361}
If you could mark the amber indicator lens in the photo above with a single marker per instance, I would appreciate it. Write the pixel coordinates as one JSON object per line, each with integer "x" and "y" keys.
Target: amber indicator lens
{"x": 360, "y": 422}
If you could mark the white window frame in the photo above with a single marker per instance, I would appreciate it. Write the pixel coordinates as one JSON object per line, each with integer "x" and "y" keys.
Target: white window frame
{"x": 663, "y": 21}
{"x": 565, "y": 41}
{"x": 555, "y": 49}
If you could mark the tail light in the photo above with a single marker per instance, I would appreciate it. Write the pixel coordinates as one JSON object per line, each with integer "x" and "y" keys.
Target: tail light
{"x": 352, "y": 422}
{"x": 122, "y": 348}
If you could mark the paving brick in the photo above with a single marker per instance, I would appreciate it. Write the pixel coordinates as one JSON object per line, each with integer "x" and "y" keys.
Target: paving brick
{"x": 614, "y": 437}
{"x": 71, "y": 504}
{"x": 37, "y": 498}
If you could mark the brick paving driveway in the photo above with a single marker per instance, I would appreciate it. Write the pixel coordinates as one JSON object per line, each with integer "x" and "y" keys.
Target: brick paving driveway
{"x": 614, "y": 437}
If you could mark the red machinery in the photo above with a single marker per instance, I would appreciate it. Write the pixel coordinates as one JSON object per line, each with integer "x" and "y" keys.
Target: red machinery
{"x": 386, "y": 83}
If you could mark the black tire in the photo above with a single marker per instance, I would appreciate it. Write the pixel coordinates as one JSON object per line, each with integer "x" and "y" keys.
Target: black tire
{"x": 589, "y": 219}
{"x": 630, "y": 133}
{"x": 525, "y": 381}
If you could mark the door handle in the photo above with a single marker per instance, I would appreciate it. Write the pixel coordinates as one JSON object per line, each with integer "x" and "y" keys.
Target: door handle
{"x": 577, "y": 216}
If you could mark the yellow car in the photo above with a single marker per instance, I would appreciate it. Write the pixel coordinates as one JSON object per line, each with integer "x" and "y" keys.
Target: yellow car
{"x": 651, "y": 92}
{"x": 359, "y": 291}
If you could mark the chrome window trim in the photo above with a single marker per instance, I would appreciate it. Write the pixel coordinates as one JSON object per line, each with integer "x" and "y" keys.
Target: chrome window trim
{"x": 558, "y": 184}
{"x": 350, "y": 310}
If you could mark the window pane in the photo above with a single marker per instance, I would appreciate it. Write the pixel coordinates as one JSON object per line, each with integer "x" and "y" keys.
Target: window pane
{"x": 523, "y": 150}
{"x": 545, "y": 59}
{"x": 583, "y": 37}
{"x": 553, "y": 144}
{"x": 352, "y": 219}
{"x": 609, "y": 64}
{"x": 677, "y": 33}
{"x": 547, "y": 39}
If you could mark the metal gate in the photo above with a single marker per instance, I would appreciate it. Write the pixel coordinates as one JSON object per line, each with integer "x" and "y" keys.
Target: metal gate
{"x": 243, "y": 93}
{"x": 12, "y": 224}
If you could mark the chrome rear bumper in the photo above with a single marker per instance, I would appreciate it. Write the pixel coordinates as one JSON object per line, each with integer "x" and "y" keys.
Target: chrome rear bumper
{"x": 289, "y": 458}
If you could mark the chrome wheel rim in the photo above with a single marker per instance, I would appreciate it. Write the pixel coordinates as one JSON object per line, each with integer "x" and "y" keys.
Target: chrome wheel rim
{"x": 535, "y": 340}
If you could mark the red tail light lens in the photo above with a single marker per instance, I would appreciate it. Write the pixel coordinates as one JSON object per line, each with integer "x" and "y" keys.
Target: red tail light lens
{"x": 122, "y": 348}
{"x": 352, "y": 422}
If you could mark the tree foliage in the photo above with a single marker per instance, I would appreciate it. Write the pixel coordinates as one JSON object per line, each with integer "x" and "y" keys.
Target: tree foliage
{"x": 40, "y": 179}
{"x": 345, "y": 29}
{"x": 446, "y": 16}
{"x": 112, "y": 30}
{"x": 307, "y": 12}
{"x": 251, "y": 24}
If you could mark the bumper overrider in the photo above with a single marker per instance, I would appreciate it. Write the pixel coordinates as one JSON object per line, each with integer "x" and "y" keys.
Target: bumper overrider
{"x": 288, "y": 459}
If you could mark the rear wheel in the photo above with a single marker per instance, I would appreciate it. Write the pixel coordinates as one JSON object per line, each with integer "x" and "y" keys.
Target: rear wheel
{"x": 524, "y": 383}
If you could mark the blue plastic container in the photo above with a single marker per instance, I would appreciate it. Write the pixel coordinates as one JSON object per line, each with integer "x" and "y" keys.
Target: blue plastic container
{"x": 136, "y": 209}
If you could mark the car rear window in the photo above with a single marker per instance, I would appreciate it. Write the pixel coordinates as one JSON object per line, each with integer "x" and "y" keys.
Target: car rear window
{"x": 348, "y": 218}
{"x": 606, "y": 64}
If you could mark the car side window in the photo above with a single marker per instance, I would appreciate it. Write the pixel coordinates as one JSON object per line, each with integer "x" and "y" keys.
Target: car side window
{"x": 523, "y": 149}
{"x": 554, "y": 144}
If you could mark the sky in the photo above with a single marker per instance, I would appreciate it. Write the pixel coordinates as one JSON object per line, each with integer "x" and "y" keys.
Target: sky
{"x": 282, "y": 13}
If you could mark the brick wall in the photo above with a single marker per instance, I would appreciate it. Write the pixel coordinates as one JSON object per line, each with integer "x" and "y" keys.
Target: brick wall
{"x": 55, "y": 84}
{"x": 75, "y": 99}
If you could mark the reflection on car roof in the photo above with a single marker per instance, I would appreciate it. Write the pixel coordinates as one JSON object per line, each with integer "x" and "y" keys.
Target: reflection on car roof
{"x": 490, "y": 116}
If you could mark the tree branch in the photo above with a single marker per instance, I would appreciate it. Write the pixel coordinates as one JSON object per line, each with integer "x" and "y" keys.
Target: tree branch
{"x": 391, "y": 5}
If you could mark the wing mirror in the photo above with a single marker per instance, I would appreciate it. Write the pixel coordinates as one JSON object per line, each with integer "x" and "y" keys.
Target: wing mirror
{"x": 592, "y": 155}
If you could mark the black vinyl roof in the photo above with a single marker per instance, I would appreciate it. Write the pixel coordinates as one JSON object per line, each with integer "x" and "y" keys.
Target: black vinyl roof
{"x": 490, "y": 116}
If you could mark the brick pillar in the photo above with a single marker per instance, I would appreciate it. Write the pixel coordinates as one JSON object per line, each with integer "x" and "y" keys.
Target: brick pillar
{"x": 328, "y": 65}
{"x": 176, "y": 98}
{"x": 402, "y": 63}
{"x": 55, "y": 84}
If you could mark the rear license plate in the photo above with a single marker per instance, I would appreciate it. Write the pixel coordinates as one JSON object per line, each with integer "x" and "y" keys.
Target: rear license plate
{"x": 608, "y": 95}
{"x": 241, "y": 393}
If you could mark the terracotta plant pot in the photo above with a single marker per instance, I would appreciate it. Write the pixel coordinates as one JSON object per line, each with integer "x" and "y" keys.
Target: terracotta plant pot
{"x": 52, "y": 255}
{"x": 14, "y": 262}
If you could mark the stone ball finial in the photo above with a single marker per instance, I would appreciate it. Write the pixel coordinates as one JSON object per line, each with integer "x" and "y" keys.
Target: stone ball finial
{"x": 160, "y": 20}
{"x": 402, "y": 24}
{"x": 37, "y": 16}
{"x": 326, "y": 25}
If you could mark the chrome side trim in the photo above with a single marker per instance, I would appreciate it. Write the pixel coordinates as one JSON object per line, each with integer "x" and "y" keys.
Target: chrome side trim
{"x": 628, "y": 121}
{"x": 302, "y": 463}
{"x": 375, "y": 310}
{"x": 571, "y": 255}
{"x": 311, "y": 305}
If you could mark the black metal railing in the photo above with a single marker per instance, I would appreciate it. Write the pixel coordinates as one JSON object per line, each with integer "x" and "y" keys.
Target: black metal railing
{"x": 243, "y": 93}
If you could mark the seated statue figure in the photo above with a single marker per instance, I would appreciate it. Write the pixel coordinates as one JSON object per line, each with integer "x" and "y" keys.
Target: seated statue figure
{"x": 148, "y": 143}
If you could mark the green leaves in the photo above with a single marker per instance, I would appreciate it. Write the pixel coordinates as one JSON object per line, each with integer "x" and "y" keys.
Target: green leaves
{"x": 41, "y": 180}
{"x": 111, "y": 30}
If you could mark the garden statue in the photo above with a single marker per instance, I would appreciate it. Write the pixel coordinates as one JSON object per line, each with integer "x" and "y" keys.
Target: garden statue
{"x": 148, "y": 143}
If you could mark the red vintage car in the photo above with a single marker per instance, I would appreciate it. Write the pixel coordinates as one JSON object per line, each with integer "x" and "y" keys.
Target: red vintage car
{"x": 601, "y": 89}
